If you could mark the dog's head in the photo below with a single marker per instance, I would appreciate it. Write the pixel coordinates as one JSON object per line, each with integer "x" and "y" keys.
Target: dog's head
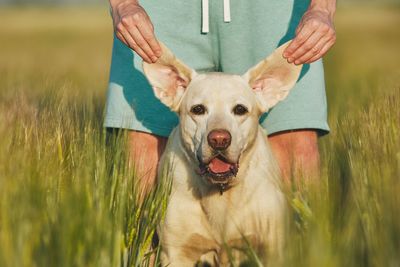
{"x": 218, "y": 112}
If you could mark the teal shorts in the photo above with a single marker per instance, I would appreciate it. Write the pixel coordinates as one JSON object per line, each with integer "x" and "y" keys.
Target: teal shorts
{"x": 256, "y": 29}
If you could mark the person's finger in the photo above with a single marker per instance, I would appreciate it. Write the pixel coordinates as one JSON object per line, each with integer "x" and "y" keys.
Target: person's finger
{"x": 133, "y": 45}
{"x": 308, "y": 46}
{"x": 142, "y": 43}
{"x": 302, "y": 36}
{"x": 323, "y": 51}
{"x": 141, "y": 53}
{"x": 121, "y": 38}
{"x": 291, "y": 47}
{"x": 313, "y": 49}
{"x": 148, "y": 34}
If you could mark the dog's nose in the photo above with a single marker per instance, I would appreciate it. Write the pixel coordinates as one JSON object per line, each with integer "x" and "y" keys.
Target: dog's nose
{"x": 219, "y": 139}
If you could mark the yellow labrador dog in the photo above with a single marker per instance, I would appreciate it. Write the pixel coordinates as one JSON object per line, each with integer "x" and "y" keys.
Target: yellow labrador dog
{"x": 225, "y": 190}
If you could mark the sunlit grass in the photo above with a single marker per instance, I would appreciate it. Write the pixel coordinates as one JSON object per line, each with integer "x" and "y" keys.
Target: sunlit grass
{"x": 68, "y": 198}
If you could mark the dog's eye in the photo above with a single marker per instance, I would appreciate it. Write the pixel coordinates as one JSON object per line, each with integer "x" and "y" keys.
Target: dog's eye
{"x": 240, "y": 110}
{"x": 198, "y": 109}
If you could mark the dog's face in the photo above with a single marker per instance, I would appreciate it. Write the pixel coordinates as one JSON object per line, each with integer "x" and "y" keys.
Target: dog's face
{"x": 219, "y": 112}
{"x": 218, "y": 119}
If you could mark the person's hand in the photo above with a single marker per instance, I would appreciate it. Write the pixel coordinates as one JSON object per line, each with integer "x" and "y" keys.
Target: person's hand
{"x": 315, "y": 35}
{"x": 133, "y": 27}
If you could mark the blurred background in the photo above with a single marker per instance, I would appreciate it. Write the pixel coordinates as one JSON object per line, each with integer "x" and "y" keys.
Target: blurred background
{"x": 61, "y": 204}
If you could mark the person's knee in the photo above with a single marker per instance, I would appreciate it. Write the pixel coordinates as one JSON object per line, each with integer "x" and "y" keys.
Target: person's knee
{"x": 296, "y": 152}
{"x": 305, "y": 145}
{"x": 301, "y": 143}
{"x": 145, "y": 151}
{"x": 146, "y": 144}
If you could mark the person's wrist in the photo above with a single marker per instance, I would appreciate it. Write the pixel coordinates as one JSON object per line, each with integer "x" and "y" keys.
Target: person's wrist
{"x": 118, "y": 3}
{"x": 325, "y": 6}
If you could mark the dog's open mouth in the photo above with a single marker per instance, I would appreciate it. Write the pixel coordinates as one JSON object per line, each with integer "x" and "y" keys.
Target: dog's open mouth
{"x": 219, "y": 170}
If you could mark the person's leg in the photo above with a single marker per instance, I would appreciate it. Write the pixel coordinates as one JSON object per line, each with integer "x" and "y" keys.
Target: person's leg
{"x": 145, "y": 151}
{"x": 297, "y": 154}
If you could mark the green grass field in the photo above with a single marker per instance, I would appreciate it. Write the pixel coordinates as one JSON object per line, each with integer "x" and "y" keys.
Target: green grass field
{"x": 63, "y": 202}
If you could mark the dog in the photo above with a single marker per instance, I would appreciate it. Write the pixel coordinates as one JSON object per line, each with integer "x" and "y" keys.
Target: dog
{"x": 226, "y": 192}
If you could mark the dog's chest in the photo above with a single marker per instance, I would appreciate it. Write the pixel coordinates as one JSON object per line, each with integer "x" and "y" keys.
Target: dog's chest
{"x": 225, "y": 213}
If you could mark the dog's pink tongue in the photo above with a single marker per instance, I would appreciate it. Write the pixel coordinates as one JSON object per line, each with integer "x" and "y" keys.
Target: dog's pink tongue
{"x": 218, "y": 166}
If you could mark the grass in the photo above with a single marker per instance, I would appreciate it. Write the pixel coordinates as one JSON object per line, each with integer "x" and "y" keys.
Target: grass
{"x": 68, "y": 199}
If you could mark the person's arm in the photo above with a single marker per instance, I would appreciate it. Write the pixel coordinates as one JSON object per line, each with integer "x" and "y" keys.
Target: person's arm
{"x": 133, "y": 27}
{"x": 315, "y": 34}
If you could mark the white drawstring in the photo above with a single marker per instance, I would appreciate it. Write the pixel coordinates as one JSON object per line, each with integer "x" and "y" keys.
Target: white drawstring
{"x": 227, "y": 11}
{"x": 205, "y": 24}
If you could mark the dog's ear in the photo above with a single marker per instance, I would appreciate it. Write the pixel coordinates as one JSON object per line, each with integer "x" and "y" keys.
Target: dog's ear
{"x": 272, "y": 78}
{"x": 169, "y": 78}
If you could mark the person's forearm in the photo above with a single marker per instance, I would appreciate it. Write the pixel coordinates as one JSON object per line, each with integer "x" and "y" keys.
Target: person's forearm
{"x": 328, "y": 6}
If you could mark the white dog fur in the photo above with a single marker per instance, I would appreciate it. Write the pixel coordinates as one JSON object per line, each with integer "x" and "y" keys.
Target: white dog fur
{"x": 204, "y": 217}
